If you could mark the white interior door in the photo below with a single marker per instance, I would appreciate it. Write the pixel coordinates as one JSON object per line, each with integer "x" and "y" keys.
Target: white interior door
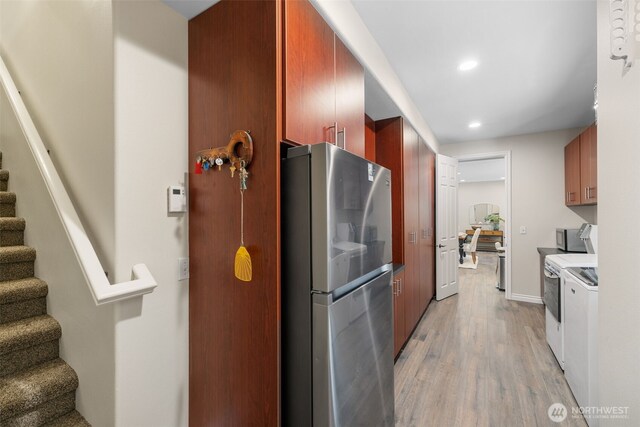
{"x": 447, "y": 249}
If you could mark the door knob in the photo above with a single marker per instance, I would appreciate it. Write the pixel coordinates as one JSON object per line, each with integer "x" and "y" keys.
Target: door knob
{"x": 441, "y": 246}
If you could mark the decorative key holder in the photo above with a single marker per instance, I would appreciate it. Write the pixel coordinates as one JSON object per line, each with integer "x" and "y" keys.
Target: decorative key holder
{"x": 238, "y": 160}
{"x": 231, "y": 154}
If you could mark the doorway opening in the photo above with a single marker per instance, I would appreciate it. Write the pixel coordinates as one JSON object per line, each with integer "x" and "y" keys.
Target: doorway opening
{"x": 484, "y": 204}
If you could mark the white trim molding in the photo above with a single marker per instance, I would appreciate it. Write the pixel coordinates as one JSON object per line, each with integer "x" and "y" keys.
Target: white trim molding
{"x": 101, "y": 289}
{"x": 526, "y": 298}
{"x": 506, "y": 155}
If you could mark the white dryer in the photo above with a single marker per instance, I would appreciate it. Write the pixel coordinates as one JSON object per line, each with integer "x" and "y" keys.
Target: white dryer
{"x": 580, "y": 336}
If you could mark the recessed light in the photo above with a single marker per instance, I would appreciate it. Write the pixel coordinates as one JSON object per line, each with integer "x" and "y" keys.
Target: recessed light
{"x": 462, "y": 180}
{"x": 468, "y": 65}
{"x": 502, "y": 177}
{"x": 474, "y": 125}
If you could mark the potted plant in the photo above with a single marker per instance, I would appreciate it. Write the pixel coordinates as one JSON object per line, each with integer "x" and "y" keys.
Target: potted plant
{"x": 494, "y": 219}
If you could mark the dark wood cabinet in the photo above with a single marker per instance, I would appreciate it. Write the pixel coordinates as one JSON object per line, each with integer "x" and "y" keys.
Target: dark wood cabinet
{"x": 589, "y": 166}
{"x": 426, "y": 260}
{"x": 411, "y": 223}
{"x": 399, "y": 332}
{"x": 369, "y": 139}
{"x": 399, "y": 148}
{"x": 349, "y": 99}
{"x": 234, "y": 326}
{"x": 323, "y": 83}
{"x": 309, "y": 75}
{"x": 389, "y": 154}
{"x": 572, "y": 173}
{"x": 580, "y": 169}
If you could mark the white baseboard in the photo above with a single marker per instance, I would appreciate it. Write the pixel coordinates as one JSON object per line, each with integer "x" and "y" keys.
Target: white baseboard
{"x": 526, "y": 298}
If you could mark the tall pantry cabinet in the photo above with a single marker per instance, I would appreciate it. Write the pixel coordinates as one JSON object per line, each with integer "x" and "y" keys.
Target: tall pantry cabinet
{"x": 412, "y": 165}
{"x": 274, "y": 68}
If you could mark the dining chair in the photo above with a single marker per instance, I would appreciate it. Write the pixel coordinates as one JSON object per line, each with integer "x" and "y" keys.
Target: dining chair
{"x": 471, "y": 246}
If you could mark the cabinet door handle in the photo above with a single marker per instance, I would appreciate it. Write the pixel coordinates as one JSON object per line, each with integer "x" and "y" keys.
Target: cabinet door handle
{"x": 586, "y": 192}
{"x": 400, "y": 286}
{"x": 335, "y": 132}
{"x": 344, "y": 137}
{"x": 395, "y": 288}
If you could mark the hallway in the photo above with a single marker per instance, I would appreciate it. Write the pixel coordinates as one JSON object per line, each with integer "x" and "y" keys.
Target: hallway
{"x": 478, "y": 359}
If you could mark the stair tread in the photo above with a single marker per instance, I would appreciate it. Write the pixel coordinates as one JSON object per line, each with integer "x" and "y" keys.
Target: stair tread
{"x": 12, "y": 223}
{"x": 28, "y": 332}
{"x": 21, "y": 290}
{"x": 7, "y": 197}
{"x": 4, "y": 175}
{"x": 72, "y": 419}
{"x": 17, "y": 254}
{"x": 25, "y": 390}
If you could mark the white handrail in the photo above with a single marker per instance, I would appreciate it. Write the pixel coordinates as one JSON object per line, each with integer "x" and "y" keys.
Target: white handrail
{"x": 101, "y": 289}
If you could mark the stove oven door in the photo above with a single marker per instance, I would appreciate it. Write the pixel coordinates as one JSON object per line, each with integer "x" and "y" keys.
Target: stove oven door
{"x": 552, "y": 293}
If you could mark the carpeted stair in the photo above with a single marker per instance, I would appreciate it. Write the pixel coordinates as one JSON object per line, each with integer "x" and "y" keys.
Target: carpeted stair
{"x": 37, "y": 388}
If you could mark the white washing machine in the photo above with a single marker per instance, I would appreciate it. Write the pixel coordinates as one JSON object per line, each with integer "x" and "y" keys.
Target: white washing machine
{"x": 580, "y": 336}
{"x": 554, "y": 267}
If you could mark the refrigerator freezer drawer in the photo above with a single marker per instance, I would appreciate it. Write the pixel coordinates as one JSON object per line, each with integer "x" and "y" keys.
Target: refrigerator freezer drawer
{"x": 353, "y": 357}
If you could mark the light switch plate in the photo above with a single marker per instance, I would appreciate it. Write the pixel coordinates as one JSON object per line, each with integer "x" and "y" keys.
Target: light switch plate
{"x": 183, "y": 268}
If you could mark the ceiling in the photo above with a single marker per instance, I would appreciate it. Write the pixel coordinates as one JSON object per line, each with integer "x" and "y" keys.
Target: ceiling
{"x": 190, "y": 8}
{"x": 536, "y": 63}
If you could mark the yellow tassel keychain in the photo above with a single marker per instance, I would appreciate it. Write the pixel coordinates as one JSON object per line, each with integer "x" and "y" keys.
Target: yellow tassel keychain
{"x": 242, "y": 265}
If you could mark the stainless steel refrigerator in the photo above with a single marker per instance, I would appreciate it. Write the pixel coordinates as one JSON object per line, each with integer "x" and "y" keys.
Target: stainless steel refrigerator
{"x": 337, "y": 304}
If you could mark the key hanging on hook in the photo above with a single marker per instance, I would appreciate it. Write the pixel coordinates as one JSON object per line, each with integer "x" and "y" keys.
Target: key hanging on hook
{"x": 243, "y": 175}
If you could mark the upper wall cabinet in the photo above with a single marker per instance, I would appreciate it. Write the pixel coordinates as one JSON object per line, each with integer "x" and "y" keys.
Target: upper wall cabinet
{"x": 589, "y": 165}
{"x": 323, "y": 83}
{"x": 572, "y": 173}
{"x": 580, "y": 169}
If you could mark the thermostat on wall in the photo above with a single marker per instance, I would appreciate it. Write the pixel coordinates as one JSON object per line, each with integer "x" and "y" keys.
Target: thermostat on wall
{"x": 176, "y": 199}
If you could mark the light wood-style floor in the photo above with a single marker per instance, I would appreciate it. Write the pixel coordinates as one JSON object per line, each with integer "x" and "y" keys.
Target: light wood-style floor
{"x": 477, "y": 359}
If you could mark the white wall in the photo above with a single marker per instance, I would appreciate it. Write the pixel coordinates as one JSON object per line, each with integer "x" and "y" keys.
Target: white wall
{"x": 66, "y": 80}
{"x": 618, "y": 210}
{"x": 537, "y": 197}
{"x": 151, "y": 134}
{"x": 60, "y": 54}
{"x": 87, "y": 342}
{"x": 471, "y": 193}
{"x": 107, "y": 83}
